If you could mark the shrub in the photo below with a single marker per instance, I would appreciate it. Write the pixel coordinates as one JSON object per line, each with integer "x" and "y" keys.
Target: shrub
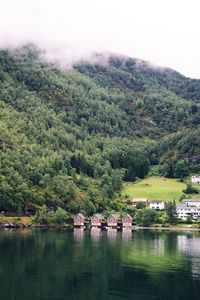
{"x": 190, "y": 190}
{"x": 60, "y": 216}
{"x": 145, "y": 217}
{"x": 45, "y": 216}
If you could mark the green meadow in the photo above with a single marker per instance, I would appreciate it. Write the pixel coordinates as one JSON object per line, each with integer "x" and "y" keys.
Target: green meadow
{"x": 155, "y": 188}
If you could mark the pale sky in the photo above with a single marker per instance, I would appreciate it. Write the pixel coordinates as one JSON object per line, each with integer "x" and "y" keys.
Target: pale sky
{"x": 165, "y": 32}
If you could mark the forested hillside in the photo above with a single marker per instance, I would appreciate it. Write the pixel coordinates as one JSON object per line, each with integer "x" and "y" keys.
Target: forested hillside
{"x": 69, "y": 138}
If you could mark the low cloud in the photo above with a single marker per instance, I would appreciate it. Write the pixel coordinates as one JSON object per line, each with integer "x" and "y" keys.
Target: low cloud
{"x": 71, "y": 30}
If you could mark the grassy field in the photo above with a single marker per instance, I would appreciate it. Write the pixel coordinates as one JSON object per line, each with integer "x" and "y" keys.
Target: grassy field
{"x": 155, "y": 188}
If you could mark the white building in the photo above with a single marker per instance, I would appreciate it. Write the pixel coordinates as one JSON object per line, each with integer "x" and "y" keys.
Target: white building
{"x": 195, "y": 179}
{"x": 183, "y": 211}
{"x": 192, "y": 202}
{"x": 157, "y": 204}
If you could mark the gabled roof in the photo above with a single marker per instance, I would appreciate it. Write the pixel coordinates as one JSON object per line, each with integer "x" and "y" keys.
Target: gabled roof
{"x": 80, "y": 215}
{"x": 98, "y": 216}
{"x": 112, "y": 215}
{"x": 127, "y": 215}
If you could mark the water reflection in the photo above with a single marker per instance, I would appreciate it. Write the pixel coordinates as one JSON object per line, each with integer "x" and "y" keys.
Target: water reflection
{"x": 159, "y": 247}
{"x": 79, "y": 234}
{"x": 190, "y": 245}
{"x": 96, "y": 233}
{"x": 94, "y": 264}
{"x": 112, "y": 234}
{"x": 126, "y": 234}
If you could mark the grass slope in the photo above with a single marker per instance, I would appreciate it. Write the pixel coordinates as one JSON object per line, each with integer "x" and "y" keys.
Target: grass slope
{"x": 155, "y": 187}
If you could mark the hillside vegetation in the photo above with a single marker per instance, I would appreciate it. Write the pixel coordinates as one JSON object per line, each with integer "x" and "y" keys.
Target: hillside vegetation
{"x": 69, "y": 138}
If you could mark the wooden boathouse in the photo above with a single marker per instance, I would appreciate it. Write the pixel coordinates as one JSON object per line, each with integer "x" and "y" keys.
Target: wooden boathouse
{"x": 112, "y": 221}
{"x": 127, "y": 221}
{"x": 79, "y": 220}
{"x": 97, "y": 220}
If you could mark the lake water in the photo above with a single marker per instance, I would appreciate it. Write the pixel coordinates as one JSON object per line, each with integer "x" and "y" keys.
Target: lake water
{"x": 63, "y": 264}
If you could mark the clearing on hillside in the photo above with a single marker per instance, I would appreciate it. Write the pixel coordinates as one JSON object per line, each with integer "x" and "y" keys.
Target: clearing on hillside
{"x": 155, "y": 188}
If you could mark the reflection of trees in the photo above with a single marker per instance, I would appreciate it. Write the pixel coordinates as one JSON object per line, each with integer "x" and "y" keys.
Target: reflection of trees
{"x": 45, "y": 261}
{"x": 51, "y": 263}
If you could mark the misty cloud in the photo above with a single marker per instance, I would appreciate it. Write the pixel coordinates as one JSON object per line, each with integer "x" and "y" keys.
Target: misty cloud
{"x": 164, "y": 32}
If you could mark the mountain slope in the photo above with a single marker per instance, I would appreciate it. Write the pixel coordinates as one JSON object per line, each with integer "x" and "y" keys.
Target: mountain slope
{"x": 69, "y": 137}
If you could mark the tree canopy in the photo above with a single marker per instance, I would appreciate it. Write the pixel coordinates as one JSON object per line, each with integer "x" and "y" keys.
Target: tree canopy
{"x": 69, "y": 138}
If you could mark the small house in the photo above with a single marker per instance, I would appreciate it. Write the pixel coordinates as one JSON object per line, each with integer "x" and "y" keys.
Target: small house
{"x": 195, "y": 179}
{"x": 79, "y": 220}
{"x": 112, "y": 220}
{"x": 96, "y": 220}
{"x": 157, "y": 204}
{"x": 127, "y": 221}
{"x": 192, "y": 202}
{"x": 135, "y": 201}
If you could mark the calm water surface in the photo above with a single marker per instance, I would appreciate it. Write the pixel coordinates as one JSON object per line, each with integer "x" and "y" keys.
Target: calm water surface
{"x": 78, "y": 264}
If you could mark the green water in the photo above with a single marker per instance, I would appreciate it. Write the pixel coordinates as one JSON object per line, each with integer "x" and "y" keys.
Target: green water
{"x": 61, "y": 264}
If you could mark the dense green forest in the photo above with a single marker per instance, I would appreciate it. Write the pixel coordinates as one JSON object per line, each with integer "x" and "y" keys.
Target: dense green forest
{"x": 70, "y": 138}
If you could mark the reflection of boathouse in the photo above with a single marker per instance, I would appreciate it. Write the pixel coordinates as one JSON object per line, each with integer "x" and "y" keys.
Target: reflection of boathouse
{"x": 126, "y": 234}
{"x": 78, "y": 234}
{"x": 96, "y": 233}
{"x": 112, "y": 233}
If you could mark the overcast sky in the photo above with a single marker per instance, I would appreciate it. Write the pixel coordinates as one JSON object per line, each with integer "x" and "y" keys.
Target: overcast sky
{"x": 165, "y": 32}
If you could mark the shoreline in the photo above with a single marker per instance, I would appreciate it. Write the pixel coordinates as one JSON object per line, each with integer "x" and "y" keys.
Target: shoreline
{"x": 167, "y": 228}
{"x": 19, "y": 226}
